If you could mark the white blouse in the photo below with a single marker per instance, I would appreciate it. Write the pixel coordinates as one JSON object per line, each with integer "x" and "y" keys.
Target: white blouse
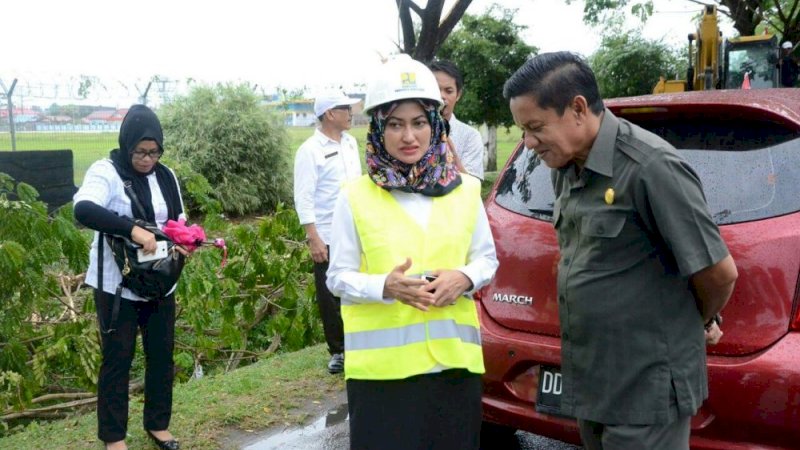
{"x": 103, "y": 186}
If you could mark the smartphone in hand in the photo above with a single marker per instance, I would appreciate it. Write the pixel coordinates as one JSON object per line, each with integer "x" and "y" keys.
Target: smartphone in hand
{"x": 160, "y": 253}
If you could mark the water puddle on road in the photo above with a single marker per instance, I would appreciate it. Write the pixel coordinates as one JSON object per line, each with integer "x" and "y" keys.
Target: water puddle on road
{"x": 329, "y": 432}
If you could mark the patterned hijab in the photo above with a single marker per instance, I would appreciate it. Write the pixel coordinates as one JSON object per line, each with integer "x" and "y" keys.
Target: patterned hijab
{"x": 434, "y": 175}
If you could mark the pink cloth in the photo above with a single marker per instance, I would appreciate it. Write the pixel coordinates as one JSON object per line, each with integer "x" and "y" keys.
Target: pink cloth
{"x": 190, "y": 237}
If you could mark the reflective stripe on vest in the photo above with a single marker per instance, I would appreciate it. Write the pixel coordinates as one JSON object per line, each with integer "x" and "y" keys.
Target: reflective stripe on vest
{"x": 395, "y": 337}
{"x": 390, "y": 340}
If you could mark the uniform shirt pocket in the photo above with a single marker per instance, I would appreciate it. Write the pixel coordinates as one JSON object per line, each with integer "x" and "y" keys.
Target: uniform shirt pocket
{"x": 603, "y": 225}
{"x": 610, "y": 241}
{"x": 332, "y": 166}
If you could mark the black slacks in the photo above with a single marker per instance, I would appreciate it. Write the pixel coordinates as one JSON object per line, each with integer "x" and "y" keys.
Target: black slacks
{"x": 156, "y": 320}
{"x": 438, "y": 411}
{"x": 329, "y": 310}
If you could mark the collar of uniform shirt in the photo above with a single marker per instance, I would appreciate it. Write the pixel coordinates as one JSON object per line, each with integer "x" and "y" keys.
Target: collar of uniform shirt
{"x": 601, "y": 155}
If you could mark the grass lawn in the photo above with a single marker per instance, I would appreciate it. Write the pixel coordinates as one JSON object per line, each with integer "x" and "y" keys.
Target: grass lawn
{"x": 89, "y": 147}
{"x": 268, "y": 393}
{"x": 86, "y": 147}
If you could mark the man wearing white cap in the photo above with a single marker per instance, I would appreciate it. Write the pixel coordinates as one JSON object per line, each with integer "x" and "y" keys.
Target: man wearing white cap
{"x": 788, "y": 66}
{"x": 322, "y": 164}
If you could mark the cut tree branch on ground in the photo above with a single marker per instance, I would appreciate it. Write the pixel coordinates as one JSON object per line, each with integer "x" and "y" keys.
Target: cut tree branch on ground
{"x": 46, "y": 412}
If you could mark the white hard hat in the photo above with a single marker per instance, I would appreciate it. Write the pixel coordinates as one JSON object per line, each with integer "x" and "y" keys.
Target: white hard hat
{"x": 401, "y": 78}
{"x": 787, "y": 44}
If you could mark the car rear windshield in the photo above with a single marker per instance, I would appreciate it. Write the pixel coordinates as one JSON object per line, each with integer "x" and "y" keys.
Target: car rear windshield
{"x": 749, "y": 171}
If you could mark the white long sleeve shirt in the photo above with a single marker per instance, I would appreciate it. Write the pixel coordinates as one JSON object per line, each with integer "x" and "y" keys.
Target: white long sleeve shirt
{"x": 345, "y": 280}
{"x": 321, "y": 167}
{"x": 469, "y": 146}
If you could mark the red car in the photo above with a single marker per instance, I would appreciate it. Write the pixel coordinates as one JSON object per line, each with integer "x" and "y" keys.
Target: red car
{"x": 745, "y": 146}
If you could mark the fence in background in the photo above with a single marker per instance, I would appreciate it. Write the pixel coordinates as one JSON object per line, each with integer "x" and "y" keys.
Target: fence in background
{"x": 83, "y": 114}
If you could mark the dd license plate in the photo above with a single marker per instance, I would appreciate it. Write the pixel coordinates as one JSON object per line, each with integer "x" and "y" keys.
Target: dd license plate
{"x": 548, "y": 398}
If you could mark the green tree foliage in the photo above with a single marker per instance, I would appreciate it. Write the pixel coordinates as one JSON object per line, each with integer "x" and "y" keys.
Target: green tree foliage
{"x": 487, "y": 49}
{"x": 599, "y": 11}
{"x": 223, "y": 133}
{"x": 263, "y": 297}
{"x": 782, "y": 17}
{"x": 627, "y": 64}
{"x": 44, "y": 341}
{"x": 749, "y": 16}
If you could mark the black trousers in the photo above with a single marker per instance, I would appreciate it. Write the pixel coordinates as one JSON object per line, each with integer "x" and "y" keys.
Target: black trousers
{"x": 156, "y": 320}
{"x": 329, "y": 310}
{"x": 439, "y": 411}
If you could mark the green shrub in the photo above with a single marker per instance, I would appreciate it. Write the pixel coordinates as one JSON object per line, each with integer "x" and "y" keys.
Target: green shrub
{"x": 223, "y": 133}
{"x": 197, "y": 193}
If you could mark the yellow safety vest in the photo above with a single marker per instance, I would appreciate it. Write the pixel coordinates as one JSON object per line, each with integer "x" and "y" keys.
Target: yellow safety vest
{"x": 391, "y": 340}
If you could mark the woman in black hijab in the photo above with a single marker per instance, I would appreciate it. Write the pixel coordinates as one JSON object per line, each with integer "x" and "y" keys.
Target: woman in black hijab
{"x": 100, "y": 204}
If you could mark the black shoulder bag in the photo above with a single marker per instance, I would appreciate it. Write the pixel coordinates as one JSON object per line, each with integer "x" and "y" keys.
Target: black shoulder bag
{"x": 151, "y": 280}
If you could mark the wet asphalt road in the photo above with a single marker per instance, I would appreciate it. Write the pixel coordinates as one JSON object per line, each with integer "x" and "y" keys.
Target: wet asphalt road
{"x": 330, "y": 432}
{"x": 528, "y": 441}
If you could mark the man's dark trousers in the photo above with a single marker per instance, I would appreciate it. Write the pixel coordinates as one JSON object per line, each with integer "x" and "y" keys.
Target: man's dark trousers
{"x": 329, "y": 310}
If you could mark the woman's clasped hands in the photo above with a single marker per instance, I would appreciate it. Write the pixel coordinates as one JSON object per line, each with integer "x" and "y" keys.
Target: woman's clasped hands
{"x": 420, "y": 293}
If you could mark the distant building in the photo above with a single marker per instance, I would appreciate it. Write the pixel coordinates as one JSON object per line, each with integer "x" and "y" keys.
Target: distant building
{"x": 21, "y": 115}
{"x": 56, "y": 119}
{"x": 99, "y": 117}
{"x": 106, "y": 117}
{"x": 295, "y": 113}
{"x": 300, "y": 112}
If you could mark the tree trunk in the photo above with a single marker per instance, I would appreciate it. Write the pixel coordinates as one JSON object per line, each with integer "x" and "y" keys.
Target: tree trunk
{"x": 743, "y": 14}
{"x": 429, "y": 31}
{"x": 491, "y": 148}
{"x": 407, "y": 25}
{"x": 433, "y": 29}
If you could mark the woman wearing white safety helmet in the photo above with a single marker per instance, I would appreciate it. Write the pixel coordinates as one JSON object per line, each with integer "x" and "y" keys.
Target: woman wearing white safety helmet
{"x": 412, "y": 242}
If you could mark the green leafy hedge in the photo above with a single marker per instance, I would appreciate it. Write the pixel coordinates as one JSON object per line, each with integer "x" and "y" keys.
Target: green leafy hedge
{"x": 224, "y": 133}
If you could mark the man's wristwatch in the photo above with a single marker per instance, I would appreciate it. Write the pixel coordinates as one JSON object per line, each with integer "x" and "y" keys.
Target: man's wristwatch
{"x": 716, "y": 319}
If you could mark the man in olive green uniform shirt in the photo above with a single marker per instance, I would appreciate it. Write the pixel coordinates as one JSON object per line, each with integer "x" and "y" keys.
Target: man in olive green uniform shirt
{"x": 642, "y": 269}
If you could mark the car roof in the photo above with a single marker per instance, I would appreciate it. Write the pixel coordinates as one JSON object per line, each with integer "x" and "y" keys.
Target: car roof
{"x": 780, "y": 102}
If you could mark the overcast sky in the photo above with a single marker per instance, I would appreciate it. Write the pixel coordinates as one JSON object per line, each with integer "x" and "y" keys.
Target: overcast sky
{"x": 294, "y": 43}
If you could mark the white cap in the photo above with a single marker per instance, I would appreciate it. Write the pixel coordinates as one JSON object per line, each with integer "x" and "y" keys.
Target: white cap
{"x": 401, "y": 78}
{"x": 331, "y": 100}
{"x": 787, "y": 44}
